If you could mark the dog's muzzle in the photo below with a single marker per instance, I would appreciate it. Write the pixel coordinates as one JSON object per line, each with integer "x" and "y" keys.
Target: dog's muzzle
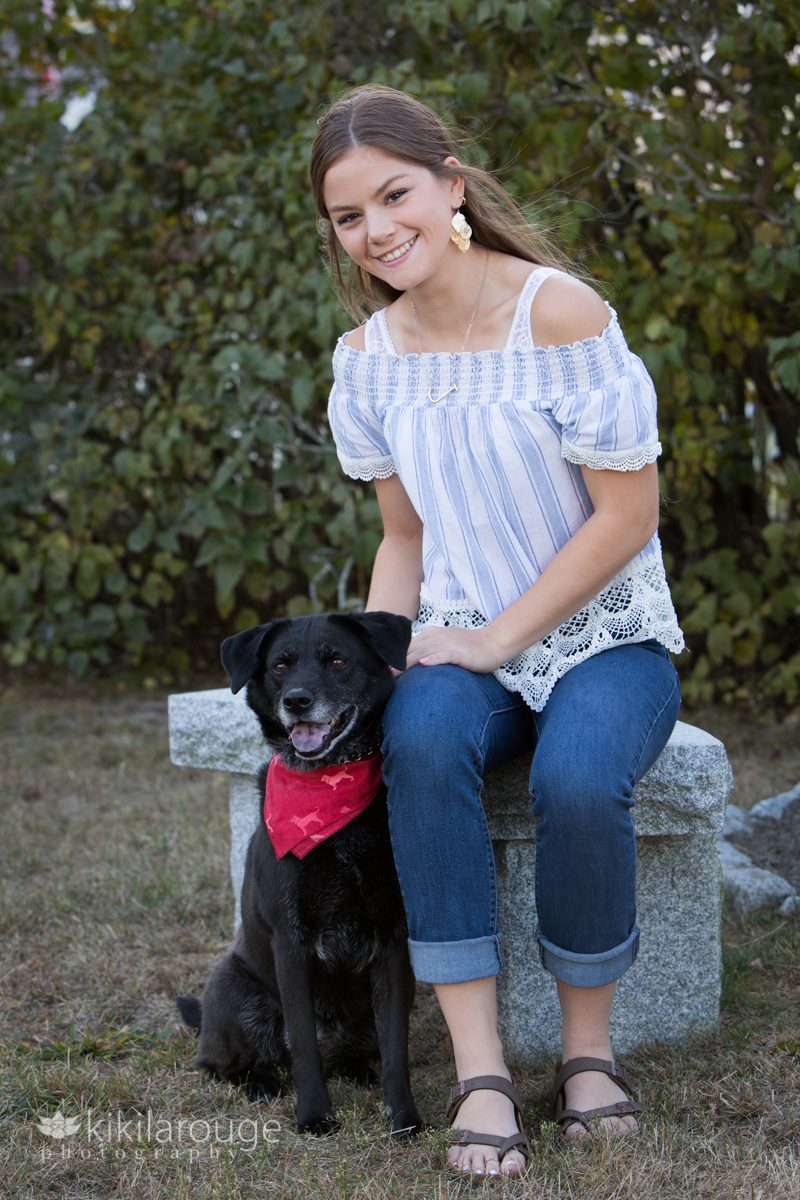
{"x": 312, "y": 739}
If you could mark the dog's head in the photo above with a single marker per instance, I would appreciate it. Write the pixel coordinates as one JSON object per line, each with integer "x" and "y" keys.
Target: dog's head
{"x": 318, "y": 684}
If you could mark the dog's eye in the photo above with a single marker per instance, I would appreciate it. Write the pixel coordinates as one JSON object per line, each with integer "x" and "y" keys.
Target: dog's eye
{"x": 280, "y": 666}
{"x": 338, "y": 661}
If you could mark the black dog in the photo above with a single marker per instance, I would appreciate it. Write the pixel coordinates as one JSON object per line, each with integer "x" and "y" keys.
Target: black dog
{"x": 323, "y": 934}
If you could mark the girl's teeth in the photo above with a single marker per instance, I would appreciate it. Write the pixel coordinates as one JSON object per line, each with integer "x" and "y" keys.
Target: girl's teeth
{"x": 397, "y": 253}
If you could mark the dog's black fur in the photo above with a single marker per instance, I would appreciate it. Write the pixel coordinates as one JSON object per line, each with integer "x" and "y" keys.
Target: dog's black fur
{"x": 323, "y": 939}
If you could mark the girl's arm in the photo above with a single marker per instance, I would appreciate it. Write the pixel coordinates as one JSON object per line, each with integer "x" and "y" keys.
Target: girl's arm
{"x": 397, "y": 572}
{"x": 624, "y": 519}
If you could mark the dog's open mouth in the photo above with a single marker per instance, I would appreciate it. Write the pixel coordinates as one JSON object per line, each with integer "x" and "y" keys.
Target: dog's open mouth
{"x": 312, "y": 739}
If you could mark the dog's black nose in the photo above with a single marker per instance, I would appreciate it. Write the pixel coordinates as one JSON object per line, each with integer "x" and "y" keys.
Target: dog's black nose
{"x": 297, "y": 700}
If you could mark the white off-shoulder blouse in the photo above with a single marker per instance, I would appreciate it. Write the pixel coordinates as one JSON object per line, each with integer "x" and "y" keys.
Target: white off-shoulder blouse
{"x": 489, "y": 446}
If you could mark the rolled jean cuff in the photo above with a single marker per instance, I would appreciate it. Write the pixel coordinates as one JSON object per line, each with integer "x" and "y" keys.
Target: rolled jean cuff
{"x": 589, "y": 970}
{"x": 456, "y": 962}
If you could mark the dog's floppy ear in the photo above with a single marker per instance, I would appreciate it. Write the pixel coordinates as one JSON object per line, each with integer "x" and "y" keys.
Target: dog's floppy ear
{"x": 387, "y": 633}
{"x": 240, "y": 653}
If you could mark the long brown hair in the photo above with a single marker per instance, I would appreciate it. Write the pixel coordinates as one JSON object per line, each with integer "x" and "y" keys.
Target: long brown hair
{"x": 397, "y": 124}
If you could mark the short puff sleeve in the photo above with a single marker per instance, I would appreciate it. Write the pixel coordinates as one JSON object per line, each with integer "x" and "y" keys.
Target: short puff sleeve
{"x": 611, "y": 425}
{"x": 356, "y": 426}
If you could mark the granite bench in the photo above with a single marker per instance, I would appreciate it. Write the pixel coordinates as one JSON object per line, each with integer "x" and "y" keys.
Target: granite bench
{"x": 673, "y": 989}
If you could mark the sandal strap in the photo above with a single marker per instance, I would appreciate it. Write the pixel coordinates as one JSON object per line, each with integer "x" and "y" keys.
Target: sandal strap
{"x": 576, "y": 1066}
{"x": 517, "y": 1141}
{"x": 623, "y": 1108}
{"x": 490, "y": 1083}
{"x": 465, "y": 1137}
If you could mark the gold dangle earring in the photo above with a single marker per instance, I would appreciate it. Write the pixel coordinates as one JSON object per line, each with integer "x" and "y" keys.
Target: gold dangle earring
{"x": 461, "y": 232}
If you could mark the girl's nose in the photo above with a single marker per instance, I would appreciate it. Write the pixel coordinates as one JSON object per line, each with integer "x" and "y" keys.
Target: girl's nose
{"x": 379, "y": 227}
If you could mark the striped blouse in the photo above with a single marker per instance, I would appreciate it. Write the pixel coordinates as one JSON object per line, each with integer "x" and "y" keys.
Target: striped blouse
{"x": 489, "y": 446}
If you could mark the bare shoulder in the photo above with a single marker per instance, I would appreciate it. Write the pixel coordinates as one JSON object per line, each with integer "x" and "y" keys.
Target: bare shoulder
{"x": 355, "y": 339}
{"x": 566, "y": 310}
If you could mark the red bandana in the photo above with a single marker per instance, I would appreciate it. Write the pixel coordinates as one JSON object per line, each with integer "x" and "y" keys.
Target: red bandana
{"x": 303, "y": 808}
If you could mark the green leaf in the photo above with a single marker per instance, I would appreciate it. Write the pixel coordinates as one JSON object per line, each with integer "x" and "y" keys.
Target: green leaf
{"x": 227, "y": 573}
{"x": 719, "y": 642}
{"x": 255, "y": 498}
{"x": 141, "y": 537}
{"x": 159, "y": 335}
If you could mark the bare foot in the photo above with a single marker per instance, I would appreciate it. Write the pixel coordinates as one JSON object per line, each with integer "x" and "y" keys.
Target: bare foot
{"x": 486, "y": 1111}
{"x": 593, "y": 1089}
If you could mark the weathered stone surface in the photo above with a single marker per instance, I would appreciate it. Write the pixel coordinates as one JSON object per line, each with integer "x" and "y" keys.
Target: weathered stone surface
{"x": 732, "y": 858}
{"x": 245, "y": 805}
{"x": 750, "y": 888}
{"x": 737, "y": 820}
{"x": 776, "y": 806}
{"x": 215, "y": 729}
{"x": 673, "y": 989}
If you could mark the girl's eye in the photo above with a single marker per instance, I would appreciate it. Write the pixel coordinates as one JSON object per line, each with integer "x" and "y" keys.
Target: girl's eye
{"x": 346, "y": 219}
{"x": 392, "y": 196}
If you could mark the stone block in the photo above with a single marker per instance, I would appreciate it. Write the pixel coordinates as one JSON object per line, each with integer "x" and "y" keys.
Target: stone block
{"x": 215, "y": 729}
{"x": 671, "y": 992}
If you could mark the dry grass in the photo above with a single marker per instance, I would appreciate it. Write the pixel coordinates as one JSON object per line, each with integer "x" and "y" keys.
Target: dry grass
{"x": 116, "y": 897}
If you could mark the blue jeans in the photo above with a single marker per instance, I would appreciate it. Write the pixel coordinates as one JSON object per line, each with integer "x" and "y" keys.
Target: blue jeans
{"x": 606, "y": 722}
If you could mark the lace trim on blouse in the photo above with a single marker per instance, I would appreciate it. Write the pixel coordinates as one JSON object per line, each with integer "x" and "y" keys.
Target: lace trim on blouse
{"x": 634, "y": 607}
{"x": 367, "y": 469}
{"x": 612, "y": 460}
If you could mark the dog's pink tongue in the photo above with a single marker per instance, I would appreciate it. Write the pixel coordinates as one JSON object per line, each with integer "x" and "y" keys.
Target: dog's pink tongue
{"x": 307, "y": 736}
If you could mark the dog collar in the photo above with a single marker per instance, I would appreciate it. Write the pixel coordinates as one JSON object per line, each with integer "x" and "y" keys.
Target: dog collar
{"x": 303, "y": 808}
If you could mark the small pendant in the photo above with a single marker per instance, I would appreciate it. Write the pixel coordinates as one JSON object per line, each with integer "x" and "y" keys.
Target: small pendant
{"x": 436, "y": 399}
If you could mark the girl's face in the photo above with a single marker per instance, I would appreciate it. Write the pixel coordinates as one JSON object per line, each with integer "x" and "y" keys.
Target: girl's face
{"x": 392, "y": 217}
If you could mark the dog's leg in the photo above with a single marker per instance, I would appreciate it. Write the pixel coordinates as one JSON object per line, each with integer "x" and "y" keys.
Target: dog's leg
{"x": 392, "y": 996}
{"x": 260, "y": 1082}
{"x": 293, "y": 969}
{"x": 191, "y": 1010}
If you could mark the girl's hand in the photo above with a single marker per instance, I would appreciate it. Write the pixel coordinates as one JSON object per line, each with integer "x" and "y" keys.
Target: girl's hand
{"x": 474, "y": 649}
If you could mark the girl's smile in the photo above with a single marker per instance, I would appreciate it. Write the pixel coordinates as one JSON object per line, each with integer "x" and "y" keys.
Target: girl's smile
{"x": 394, "y": 256}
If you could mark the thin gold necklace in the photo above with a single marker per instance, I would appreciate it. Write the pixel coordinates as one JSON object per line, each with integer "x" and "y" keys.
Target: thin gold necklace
{"x": 436, "y": 399}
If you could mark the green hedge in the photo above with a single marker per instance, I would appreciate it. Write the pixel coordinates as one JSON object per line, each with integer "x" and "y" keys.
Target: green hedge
{"x": 166, "y": 472}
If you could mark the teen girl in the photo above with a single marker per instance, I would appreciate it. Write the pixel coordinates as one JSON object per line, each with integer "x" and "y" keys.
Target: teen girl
{"x": 512, "y": 438}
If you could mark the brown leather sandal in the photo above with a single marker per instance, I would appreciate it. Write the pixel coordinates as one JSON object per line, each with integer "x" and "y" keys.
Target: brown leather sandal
{"x": 576, "y": 1066}
{"x": 463, "y": 1137}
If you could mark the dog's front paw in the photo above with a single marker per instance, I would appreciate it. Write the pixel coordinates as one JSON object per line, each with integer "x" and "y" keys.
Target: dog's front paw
{"x": 407, "y": 1125}
{"x": 262, "y": 1084}
{"x": 318, "y": 1124}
